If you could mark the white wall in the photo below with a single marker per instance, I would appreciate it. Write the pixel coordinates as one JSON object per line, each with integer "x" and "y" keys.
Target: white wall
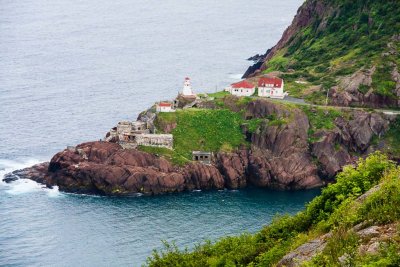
{"x": 242, "y": 91}
{"x": 165, "y": 109}
{"x": 272, "y": 92}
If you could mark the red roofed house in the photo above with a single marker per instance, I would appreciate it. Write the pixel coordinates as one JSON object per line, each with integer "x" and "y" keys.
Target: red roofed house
{"x": 242, "y": 88}
{"x": 271, "y": 87}
{"x": 164, "y": 107}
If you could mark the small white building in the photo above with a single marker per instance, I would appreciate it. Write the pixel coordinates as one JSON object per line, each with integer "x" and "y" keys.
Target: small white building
{"x": 165, "y": 107}
{"x": 187, "y": 88}
{"x": 271, "y": 87}
{"x": 242, "y": 88}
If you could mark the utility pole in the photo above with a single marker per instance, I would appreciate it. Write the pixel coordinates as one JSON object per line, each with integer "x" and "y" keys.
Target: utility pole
{"x": 327, "y": 95}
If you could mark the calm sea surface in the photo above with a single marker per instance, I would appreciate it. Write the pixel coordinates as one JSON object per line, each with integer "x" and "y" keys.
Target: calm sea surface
{"x": 69, "y": 70}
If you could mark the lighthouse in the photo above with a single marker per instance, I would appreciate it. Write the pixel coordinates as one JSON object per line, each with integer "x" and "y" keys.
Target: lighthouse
{"x": 187, "y": 88}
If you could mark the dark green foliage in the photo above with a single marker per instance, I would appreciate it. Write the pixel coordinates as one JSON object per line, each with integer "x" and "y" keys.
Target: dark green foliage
{"x": 321, "y": 118}
{"x": 384, "y": 206}
{"x": 392, "y": 139}
{"x": 350, "y": 183}
{"x": 253, "y": 124}
{"x": 342, "y": 242}
{"x": 388, "y": 256}
{"x": 363, "y": 88}
{"x": 351, "y": 36}
{"x": 332, "y": 208}
{"x": 382, "y": 82}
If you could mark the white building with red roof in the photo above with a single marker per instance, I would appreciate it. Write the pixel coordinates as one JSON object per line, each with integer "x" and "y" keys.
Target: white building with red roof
{"x": 242, "y": 88}
{"x": 165, "y": 107}
{"x": 271, "y": 87}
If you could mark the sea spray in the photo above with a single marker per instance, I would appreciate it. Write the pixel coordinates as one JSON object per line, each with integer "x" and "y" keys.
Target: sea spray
{"x": 22, "y": 186}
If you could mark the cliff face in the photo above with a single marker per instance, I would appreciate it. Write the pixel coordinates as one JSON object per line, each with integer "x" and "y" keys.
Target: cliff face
{"x": 280, "y": 155}
{"x": 308, "y": 13}
{"x": 349, "y": 49}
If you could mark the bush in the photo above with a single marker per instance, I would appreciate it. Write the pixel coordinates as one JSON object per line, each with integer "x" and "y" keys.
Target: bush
{"x": 334, "y": 209}
{"x": 383, "y": 206}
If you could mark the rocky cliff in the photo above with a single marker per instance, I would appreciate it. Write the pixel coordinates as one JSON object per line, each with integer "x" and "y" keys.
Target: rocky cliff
{"x": 347, "y": 49}
{"x": 282, "y": 153}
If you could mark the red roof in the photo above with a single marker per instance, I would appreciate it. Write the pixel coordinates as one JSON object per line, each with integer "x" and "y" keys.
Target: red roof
{"x": 276, "y": 82}
{"x": 243, "y": 84}
{"x": 187, "y": 78}
{"x": 164, "y": 104}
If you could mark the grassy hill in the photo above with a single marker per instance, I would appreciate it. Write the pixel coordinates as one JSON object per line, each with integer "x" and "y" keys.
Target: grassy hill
{"x": 200, "y": 129}
{"x": 331, "y": 40}
{"x": 363, "y": 196}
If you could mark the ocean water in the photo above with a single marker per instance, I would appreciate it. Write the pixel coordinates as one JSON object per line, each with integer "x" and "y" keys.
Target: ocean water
{"x": 69, "y": 70}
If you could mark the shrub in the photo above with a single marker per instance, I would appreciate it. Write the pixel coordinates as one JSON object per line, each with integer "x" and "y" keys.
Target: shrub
{"x": 334, "y": 207}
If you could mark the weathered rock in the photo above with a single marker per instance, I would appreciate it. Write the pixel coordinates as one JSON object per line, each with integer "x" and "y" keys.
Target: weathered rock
{"x": 348, "y": 91}
{"x": 369, "y": 232}
{"x": 281, "y": 157}
{"x": 233, "y": 167}
{"x": 304, "y": 252}
{"x": 10, "y": 177}
{"x": 331, "y": 154}
{"x": 358, "y": 132}
{"x": 201, "y": 176}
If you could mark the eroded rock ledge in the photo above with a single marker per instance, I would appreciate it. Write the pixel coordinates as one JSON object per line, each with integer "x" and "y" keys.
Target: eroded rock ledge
{"x": 280, "y": 156}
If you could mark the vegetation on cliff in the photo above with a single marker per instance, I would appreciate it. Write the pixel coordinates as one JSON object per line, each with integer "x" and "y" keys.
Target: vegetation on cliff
{"x": 363, "y": 196}
{"x": 330, "y": 40}
{"x": 392, "y": 138}
{"x": 201, "y": 129}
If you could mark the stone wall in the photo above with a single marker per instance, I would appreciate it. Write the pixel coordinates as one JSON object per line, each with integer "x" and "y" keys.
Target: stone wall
{"x": 157, "y": 140}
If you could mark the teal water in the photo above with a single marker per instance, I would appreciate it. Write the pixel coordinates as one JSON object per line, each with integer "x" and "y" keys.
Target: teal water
{"x": 73, "y": 230}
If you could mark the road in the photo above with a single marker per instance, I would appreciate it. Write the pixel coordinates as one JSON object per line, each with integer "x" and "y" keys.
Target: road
{"x": 299, "y": 101}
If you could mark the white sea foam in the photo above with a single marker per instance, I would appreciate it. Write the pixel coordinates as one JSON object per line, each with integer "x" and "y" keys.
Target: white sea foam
{"x": 22, "y": 186}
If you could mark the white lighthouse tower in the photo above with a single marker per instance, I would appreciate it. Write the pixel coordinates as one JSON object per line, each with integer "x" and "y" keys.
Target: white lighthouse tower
{"x": 187, "y": 88}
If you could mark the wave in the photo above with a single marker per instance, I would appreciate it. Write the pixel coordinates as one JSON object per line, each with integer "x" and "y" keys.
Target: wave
{"x": 22, "y": 186}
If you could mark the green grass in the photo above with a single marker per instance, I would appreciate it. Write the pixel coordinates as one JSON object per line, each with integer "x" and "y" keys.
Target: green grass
{"x": 335, "y": 210}
{"x": 392, "y": 139}
{"x": 278, "y": 62}
{"x": 353, "y": 38}
{"x": 164, "y": 119}
{"x": 382, "y": 82}
{"x": 321, "y": 118}
{"x": 220, "y": 94}
{"x": 212, "y": 130}
{"x": 204, "y": 129}
{"x": 364, "y": 88}
{"x": 168, "y": 154}
{"x": 254, "y": 124}
{"x": 296, "y": 89}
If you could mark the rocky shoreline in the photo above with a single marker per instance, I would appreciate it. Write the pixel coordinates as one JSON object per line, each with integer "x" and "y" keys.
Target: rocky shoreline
{"x": 279, "y": 157}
